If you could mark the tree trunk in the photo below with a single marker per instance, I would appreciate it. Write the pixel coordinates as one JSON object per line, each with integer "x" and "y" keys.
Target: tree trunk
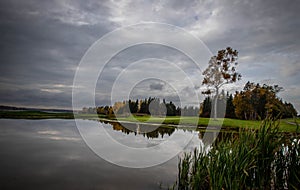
{"x": 216, "y": 103}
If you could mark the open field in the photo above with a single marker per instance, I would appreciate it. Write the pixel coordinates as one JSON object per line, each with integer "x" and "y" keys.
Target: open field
{"x": 287, "y": 125}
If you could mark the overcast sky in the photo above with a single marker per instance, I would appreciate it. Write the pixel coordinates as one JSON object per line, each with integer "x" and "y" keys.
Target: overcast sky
{"x": 42, "y": 43}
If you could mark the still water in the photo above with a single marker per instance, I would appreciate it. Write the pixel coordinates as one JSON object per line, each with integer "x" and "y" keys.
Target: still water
{"x": 51, "y": 154}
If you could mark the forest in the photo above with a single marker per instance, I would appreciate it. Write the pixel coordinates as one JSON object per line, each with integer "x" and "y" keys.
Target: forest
{"x": 148, "y": 106}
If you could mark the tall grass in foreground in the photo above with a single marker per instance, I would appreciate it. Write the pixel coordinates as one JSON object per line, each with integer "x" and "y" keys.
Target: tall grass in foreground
{"x": 255, "y": 159}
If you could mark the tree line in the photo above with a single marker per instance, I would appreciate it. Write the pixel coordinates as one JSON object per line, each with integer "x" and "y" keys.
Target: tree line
{"x": 148, "y": 106}
{"x": 254, "y": 102}
{"x": 153, "y": 106}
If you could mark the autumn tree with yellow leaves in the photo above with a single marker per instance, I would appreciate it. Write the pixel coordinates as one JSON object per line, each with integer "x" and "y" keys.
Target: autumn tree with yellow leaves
{"x": 259, "y": 101}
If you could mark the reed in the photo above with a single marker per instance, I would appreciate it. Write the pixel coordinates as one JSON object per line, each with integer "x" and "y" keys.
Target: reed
{"x": 255, "y": 159}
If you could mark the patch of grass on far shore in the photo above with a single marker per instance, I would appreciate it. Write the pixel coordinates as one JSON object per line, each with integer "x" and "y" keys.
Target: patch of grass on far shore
{"x": 286, "y": 125}
{"x": 35, "y": 115}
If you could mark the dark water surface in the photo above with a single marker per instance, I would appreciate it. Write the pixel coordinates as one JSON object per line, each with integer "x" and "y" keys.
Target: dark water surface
{"x": 50, "y": 154}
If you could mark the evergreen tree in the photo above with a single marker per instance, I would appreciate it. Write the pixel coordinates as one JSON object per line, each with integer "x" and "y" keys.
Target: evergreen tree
{"x": 230, "y": 107}
{"x": 206, "y": 107}
{"x": 171, "y": 109}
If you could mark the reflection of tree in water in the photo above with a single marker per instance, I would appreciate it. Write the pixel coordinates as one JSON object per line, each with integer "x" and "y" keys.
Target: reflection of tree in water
{"x": 160, "y": 132}
{"x": 220, "y": 137}
{"x": 145, "y": 130}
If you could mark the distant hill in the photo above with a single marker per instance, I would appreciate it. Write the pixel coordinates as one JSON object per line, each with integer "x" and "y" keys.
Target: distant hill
{"x": 12, "y": 108}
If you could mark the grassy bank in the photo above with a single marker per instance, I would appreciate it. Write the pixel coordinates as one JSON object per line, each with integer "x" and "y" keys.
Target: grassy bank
{"x": 255, "y": 159}
{"x": 287, "y": 125}
{"x": 35, "y": 115}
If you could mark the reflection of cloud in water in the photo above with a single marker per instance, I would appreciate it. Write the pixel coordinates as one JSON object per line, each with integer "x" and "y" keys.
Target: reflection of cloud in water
{"x": 154, "y": 142}
{"x": 30, "y": 160}
{"x": 53, "y": 135}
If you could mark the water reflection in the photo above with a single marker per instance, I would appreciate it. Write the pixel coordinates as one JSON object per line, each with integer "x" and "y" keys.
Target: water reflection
{"x": 145, "y": 130}
{"x": 50, "y": 154}
{"x": 164, "y": 131}
{"x": 141, "y": 135}
{"x": 220, "y": 136}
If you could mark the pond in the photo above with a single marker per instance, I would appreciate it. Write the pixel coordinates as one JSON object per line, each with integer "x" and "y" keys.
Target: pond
{"x": 51, "y": 154}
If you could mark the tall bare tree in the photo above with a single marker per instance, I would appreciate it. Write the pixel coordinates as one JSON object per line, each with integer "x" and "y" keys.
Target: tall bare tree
{"x": 221, "y": 70}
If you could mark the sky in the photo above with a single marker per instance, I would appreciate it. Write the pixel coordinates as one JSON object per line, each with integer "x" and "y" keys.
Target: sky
{"x": 43, "y": 42}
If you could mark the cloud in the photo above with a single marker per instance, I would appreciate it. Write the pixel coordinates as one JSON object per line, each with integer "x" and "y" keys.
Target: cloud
{"x": 156, "y": 86}
{"x": 36, "y": 98}
{"x": 42, "y": 43}
{"x": 49, "y": 132}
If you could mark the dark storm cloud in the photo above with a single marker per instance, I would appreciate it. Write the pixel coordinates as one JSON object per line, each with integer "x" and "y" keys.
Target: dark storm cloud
{"x": 34, "y": 42}
{"x": 41, "y": 46}
{"x": 156, "y": 86}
